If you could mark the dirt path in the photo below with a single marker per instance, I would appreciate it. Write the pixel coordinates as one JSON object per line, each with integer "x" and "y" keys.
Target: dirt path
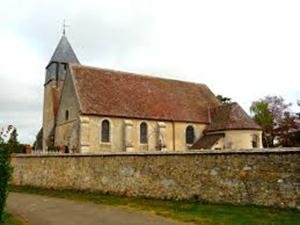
{"x": 41, "y": 210}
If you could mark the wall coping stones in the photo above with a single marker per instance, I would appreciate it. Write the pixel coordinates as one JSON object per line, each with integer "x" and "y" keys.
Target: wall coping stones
{"x": 281, "y": 150}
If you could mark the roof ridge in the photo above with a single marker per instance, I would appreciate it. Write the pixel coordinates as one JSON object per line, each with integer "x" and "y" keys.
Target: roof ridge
{"x": 226, "y": 105}
{"x": 151, "y": 76}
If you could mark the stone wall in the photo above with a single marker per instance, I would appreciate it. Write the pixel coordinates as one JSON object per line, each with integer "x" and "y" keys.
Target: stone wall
{"x": 262, "y": 177}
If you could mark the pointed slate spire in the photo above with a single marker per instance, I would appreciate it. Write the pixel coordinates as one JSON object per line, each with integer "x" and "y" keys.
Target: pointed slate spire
{"x": 64, "y": 52}
{"x": 62, "y": 56}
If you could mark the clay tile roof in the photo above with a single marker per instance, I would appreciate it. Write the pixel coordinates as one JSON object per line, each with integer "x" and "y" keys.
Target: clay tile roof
{"x": 121, "y": 94}
{"x": 207, "y": 141}
{"x": 230, "y": 117}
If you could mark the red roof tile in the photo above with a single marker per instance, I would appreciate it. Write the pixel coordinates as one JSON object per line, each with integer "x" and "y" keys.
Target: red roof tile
{"x": 121, "y": 94}
{"x": 230, "y": 117}
{"x": 207, "y": 141}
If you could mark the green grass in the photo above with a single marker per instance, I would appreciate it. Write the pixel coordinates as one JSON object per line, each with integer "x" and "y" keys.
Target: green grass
{"x": 11, "y": 220}
{"x": 198, "y": 213}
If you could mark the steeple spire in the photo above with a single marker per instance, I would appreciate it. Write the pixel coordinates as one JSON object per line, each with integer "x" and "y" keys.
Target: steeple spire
{"x": 64, "y": 52}
{"x": 63, "y": 55}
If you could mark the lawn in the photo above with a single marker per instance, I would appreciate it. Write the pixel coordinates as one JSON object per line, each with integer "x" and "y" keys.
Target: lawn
{"x": 198, "y": 213}
{"x": 11, "y": 220}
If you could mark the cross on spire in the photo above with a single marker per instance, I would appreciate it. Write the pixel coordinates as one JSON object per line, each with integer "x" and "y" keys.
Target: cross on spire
{"x": 64, "y": 27}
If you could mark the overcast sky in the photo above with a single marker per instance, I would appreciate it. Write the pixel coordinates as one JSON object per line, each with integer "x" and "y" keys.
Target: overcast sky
{"x": 241, "y": 49}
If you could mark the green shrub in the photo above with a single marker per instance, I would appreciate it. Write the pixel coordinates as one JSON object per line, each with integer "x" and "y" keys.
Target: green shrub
{"x": 5, "y": 174}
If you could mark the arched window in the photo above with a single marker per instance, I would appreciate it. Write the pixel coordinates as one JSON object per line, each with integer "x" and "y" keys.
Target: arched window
{"x": 67, "y": 115}
{"x": 189, "y": 135}
{"x": 254, "y": 141}
{"x": 105, "y": 131}
{"x": 143, "y": 133}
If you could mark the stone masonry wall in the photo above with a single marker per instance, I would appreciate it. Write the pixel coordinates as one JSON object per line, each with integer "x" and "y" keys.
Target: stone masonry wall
{"x": 262, "y": 177}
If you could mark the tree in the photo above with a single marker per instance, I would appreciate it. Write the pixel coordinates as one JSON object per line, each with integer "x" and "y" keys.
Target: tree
{"x": 298, "y": 103}
{"x": 4, "y": 132}
{"x": 2, "y": 135}
{"x": 223, "y": 100}
{"x": 264, "y": 118}
{"x": 277, "y": 106}
{"x": 13, "y": 143}
{"x": 284, "y": 128}
{"x": 273, "y": 115}
{"x": 5, "y": 169}
{"x": 1, "y": 139}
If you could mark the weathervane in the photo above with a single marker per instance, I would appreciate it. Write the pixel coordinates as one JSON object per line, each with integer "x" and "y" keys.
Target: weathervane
{"x": 64, "y": 27}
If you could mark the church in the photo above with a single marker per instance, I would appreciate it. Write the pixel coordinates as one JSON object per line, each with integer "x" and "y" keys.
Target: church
{"x": 93, "y": 110}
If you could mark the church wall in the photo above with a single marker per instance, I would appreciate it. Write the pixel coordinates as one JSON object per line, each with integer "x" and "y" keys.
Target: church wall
{"x": 90, "y": 134}
{"x": 240, "y": 139}
{"x": 67, "y": 135}
{"x": 219, "y": 145}
{"x": 67, "y": 129}
{"x": 180, "y": 134}
{"x": 68, "y": 103}
{"x": 52, "y": 91}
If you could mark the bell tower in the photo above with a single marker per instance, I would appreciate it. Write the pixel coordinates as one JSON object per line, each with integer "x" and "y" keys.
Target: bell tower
{"x": 56, "y": 71}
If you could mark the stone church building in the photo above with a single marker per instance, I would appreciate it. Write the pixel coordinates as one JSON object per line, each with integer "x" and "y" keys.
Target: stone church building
{"x": 89, "y": 110}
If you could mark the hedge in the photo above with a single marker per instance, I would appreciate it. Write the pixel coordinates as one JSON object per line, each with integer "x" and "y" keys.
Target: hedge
{"x": 5, "y": 174}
